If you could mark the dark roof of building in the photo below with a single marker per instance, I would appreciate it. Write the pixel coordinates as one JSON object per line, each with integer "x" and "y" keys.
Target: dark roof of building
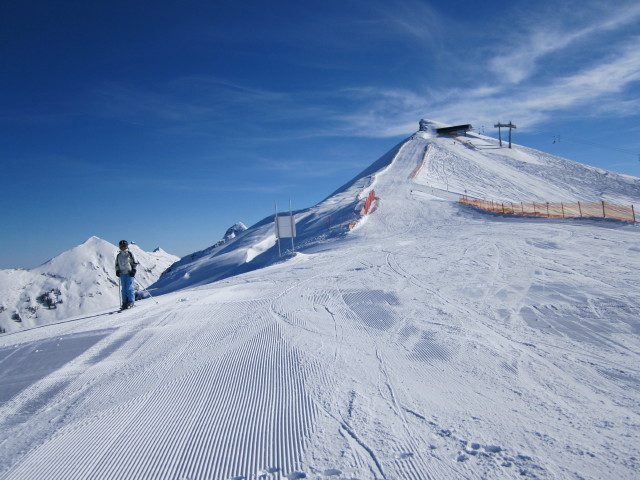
{"x": 454, "y": 129}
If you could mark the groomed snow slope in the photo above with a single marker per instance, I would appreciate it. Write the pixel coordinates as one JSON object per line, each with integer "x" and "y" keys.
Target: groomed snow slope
{"x": 432, "y": 342}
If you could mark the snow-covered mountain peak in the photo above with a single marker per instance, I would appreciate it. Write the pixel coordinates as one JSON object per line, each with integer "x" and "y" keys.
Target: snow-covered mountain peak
{"x": 427, "y": 126}
{"x": 70, "y": 261}
{"x": 451, "y": 166}
{"x": 80, "y": 280}
{"x": 234, "y": 230}
{"x": 93, "y": 238}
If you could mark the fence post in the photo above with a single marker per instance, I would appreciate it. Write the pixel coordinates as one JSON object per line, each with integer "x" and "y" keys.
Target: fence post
{"x": 534, "y": 209}
{"x": 604, "y": 215}
{"x": 580, "y": 209}
{"x": 633, "y": 212}
{"x": 522, "y": 207}
{"x": 503, "y": 208}
{"x": 562, "y": 207}
{"x": 547, "y": 209}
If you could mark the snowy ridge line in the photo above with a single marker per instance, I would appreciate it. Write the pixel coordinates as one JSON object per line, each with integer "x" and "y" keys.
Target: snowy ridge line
{"x": 390, "y": 164}
{"x": 600, "y": 209}
{"x": 373, "y": 178}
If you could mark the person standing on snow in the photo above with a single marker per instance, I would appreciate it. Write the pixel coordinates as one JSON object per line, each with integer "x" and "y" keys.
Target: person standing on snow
{"x": 126, "y": 270}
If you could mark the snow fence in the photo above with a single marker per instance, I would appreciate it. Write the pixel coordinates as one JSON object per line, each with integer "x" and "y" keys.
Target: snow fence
{"x": 366, "y": 208}
{"x": 557, "y": 209}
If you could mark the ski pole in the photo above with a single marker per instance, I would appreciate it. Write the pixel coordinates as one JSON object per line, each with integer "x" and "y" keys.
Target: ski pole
{"x": 136, "y": 280}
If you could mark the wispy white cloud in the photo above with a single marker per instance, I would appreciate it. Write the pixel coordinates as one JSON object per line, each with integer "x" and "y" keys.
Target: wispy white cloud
{"x": 202, "y": 104}
{"x": 414, "y": 18}
{"x": 184, "y": 99}
{"x": 520, "y": 57}
{"x": 608, "y": 85}
{"x": 592, "y": 84}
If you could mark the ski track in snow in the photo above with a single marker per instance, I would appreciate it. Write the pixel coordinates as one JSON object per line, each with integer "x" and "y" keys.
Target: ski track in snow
{"x": 434, "y": 342}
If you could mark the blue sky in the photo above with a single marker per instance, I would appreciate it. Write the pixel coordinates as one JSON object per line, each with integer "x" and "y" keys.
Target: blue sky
{"x": 166, "y": 122}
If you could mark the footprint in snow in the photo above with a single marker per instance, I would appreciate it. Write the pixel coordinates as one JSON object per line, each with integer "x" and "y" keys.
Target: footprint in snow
{"x": 405, "y": 455}
{"x": 267, "y": 472}
{"x": 295, "y": 475}
{"x": 331, "y": 471}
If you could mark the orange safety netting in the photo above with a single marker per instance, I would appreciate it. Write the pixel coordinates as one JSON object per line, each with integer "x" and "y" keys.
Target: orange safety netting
{"x": 365, "y": 208}
{"x": 368, "y": 202}
{"x": 557, "y": 209}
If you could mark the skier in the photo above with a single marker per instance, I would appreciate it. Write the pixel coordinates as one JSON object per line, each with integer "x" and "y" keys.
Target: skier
{"x": 126, "y": 270}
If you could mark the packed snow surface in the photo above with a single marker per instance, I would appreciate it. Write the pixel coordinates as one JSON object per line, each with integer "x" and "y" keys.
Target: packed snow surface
{"x": 433, "y": 341}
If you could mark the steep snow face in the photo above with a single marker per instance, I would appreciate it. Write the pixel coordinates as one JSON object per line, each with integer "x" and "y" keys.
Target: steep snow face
{"x": 258, "y": 246}
{"x": 77, "y": 282}
{"x": 432, "y": 342}
{"x": 474, "y": 165}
